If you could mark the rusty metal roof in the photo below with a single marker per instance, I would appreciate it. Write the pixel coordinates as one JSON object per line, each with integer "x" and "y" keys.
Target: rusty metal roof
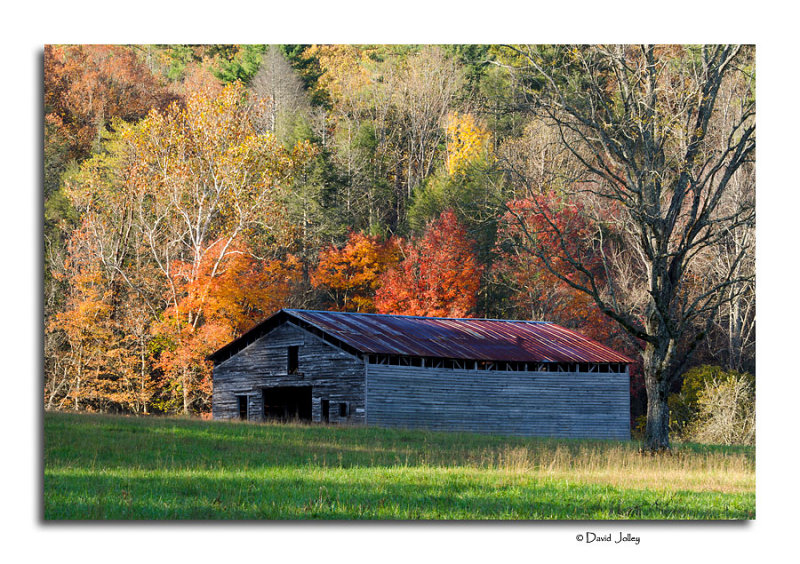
{"x": 470, "y": 339}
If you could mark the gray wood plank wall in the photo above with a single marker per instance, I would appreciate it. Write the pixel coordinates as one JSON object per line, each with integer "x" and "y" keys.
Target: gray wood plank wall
{"x": 575, "y": 405}
{"x": 332, "y": 373}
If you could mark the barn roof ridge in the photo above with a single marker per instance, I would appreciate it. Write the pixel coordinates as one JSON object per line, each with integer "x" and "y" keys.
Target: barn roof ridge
{"x": 420, "y": 336}
{"x": 531, "y": 321}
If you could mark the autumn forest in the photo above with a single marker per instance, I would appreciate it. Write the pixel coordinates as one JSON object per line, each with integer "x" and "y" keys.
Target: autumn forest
{"x": 192, "y": 190}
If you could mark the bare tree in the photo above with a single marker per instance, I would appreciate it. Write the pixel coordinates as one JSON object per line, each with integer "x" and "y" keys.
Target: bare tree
{"x": 648, "y": 128}
{"x": 425, "y": 89}
{"x": 278, "y": 84}
{"x": 732, "y": 339}
{"x": 726, "y": 412}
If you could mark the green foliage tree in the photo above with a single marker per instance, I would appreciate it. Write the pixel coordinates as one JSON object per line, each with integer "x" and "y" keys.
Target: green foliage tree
{"x": 308, "y": 67}
{"x": 240, "y": 64}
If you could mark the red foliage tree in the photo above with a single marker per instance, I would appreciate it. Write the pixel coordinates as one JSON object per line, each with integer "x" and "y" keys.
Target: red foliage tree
{"x": 439, "y": 276}
{"x": 564, "y": 236}
{"x": 572, "y": 244}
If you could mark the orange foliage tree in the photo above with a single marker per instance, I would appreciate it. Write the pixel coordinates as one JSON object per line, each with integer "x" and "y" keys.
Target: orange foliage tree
{"x": 86, "y": 86}
{"x": 352, "y": 274}
{"x": 438, "y": 277}
{"x": 214, "y": 182}
{"x": 219, "y": 300}
{"x": 98, "y": 369}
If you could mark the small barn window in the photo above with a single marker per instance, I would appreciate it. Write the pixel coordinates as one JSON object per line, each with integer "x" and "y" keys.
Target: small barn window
{"x": 292, "y": 360}
{"x": 344, "y": 409}
{"x": 242, "y": 402}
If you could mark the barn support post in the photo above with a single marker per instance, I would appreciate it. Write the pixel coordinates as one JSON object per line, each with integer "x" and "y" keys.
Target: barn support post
{"x": 366, "y": 389}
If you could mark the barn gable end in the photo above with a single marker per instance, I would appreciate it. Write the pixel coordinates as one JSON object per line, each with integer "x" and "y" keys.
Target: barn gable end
{"x": 333, "y": 375}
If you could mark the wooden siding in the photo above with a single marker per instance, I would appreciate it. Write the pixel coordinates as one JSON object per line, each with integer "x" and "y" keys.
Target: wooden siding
{"x": 573, "y": 405}
{"x": 332, "y": 373}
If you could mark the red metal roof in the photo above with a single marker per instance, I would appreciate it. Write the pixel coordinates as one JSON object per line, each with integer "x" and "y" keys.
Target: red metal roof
{"x": 471, "y": 339}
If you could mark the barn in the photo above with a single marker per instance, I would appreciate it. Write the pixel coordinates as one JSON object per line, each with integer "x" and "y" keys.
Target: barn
{"x": 481, "y": 375}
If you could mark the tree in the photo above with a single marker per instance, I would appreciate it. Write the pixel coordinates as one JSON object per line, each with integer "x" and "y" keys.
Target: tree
{"x": 352, "y": 274}
{"x": 169, "y": 206}
{"x": 439, "y": 275}
{"x": 467, "y": 141}
{"x": 388, "y": 107}
{"x": 731, "y": 341}
{"x": 466, "y": 182}
{"x": 643, "y": 124}
{"x": 96, "y": 369}
{"x": 361, "y": 138}
{"x": 537, "y": 293}
{"x": 277, "y": 84}
{"x": 219, "y": 300}
{"x": 86, "y": 86}
{"x": 238, "y": 63}
{"x": 425, "y": 88}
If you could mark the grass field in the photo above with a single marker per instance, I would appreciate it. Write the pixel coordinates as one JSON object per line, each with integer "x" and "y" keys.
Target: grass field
{"x": 109, "y": 467}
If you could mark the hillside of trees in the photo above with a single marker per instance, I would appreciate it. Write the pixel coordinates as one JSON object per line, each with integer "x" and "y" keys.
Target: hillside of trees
{"x": 192, "y": 190}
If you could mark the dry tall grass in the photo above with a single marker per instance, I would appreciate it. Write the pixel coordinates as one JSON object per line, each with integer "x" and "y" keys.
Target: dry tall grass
{"x": 624, "y": 467}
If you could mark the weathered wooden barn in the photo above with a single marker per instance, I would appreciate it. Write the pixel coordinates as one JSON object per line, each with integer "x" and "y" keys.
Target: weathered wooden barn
{"x": 490, "y": 376}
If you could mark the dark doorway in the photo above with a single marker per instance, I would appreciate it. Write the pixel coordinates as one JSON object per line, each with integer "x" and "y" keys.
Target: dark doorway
{"x": 326, "y": 411}
{"x": 287, "y": 403}
{"x": 242, "y": 401}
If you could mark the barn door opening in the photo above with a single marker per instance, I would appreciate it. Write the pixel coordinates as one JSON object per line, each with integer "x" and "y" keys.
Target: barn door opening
{"x": 287, "y": 403}
{"x": 326, "y": 411}
{"x": 242, "y": 404}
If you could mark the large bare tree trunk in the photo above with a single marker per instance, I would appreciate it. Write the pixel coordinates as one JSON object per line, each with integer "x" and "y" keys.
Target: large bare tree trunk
{"x": 657, "y": 379}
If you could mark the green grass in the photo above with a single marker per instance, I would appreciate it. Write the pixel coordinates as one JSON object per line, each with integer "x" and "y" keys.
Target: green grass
{"x": 109, "y": 467}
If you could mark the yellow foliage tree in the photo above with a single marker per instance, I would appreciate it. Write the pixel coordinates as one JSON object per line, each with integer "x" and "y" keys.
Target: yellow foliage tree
{"x": 343, "y": 67}
{"x": 467, "y": 141}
